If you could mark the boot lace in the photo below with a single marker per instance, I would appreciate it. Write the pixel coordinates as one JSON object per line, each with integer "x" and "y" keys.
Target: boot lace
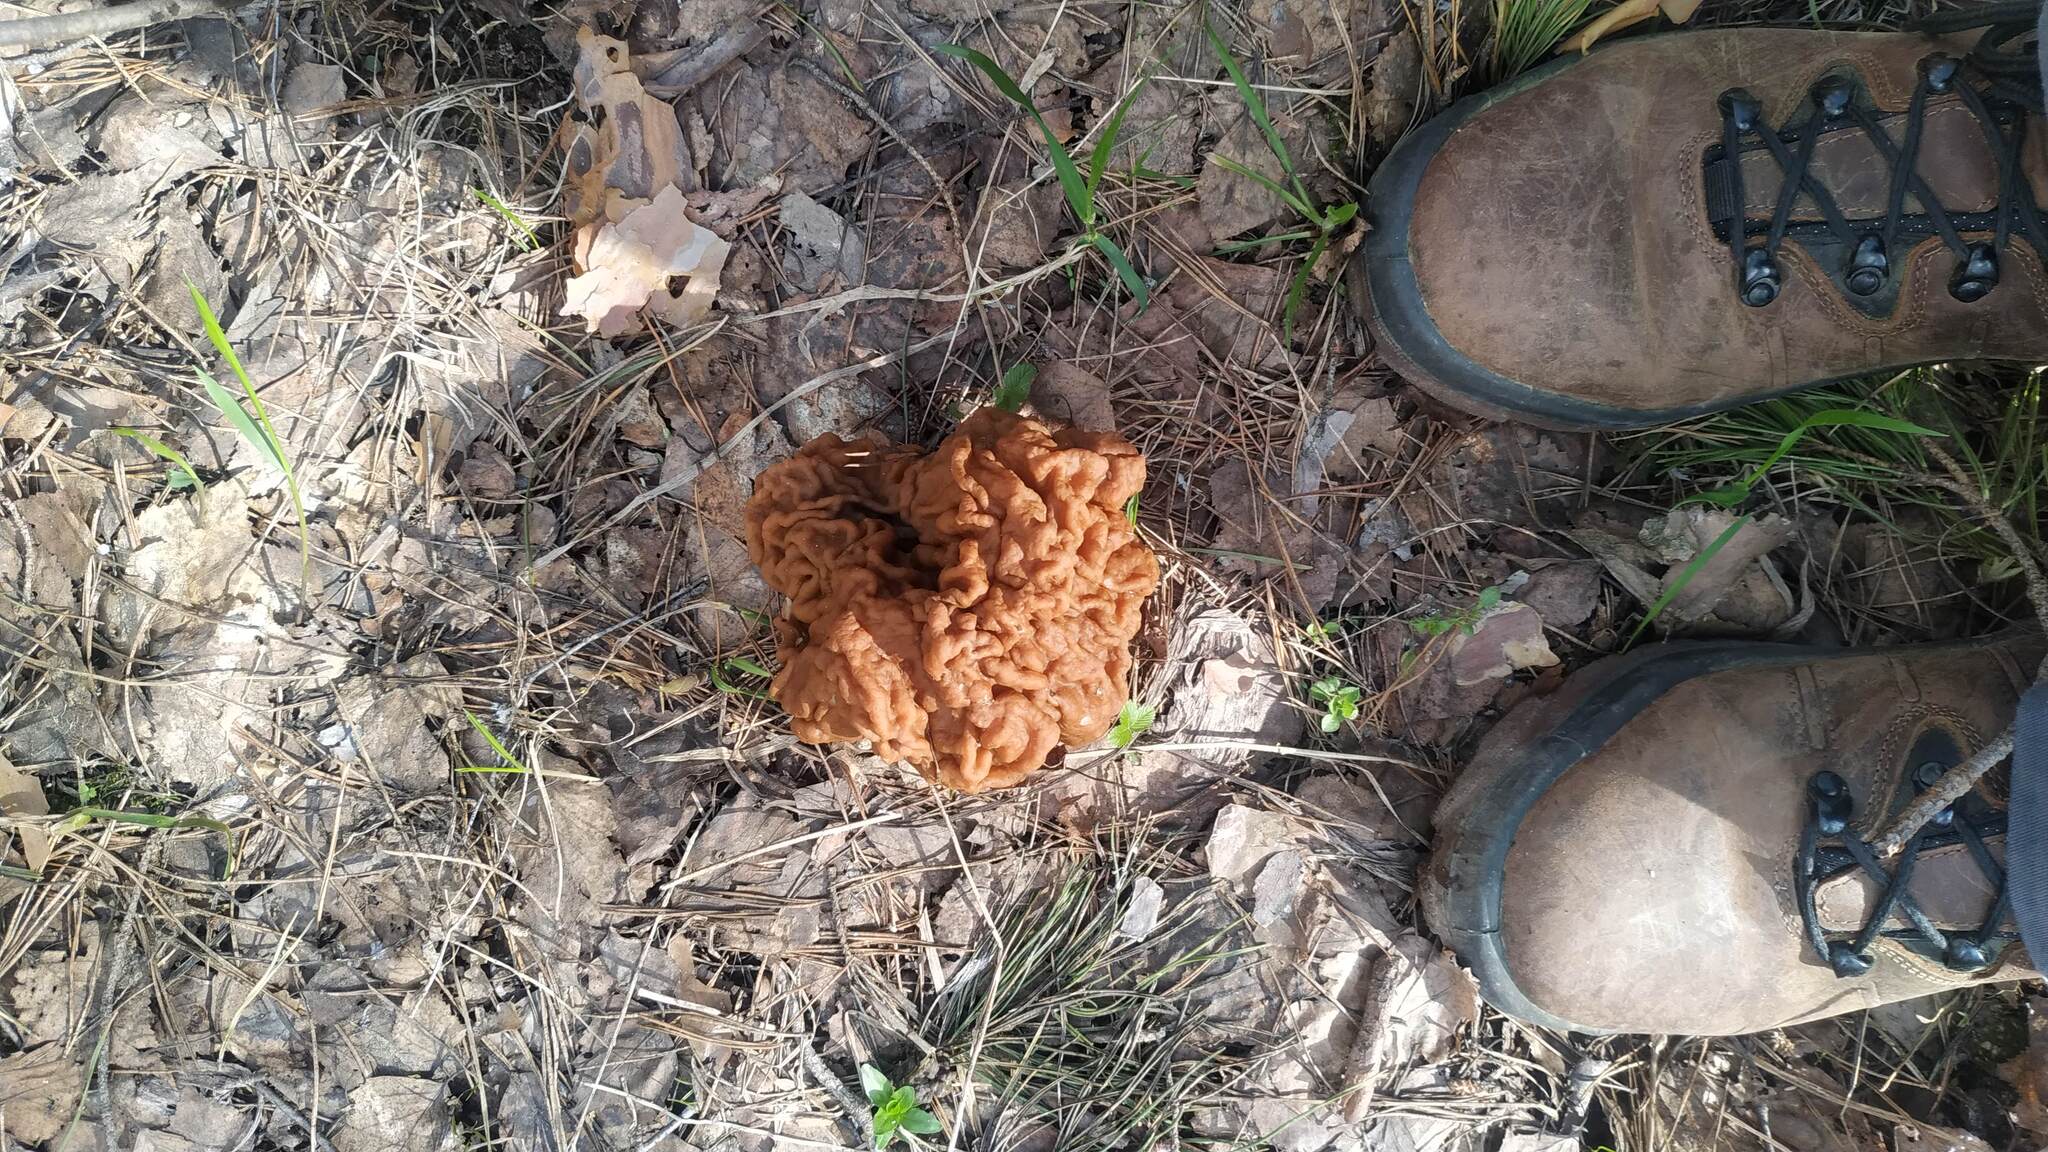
{"x": 2010, "y": 91}
{"x": 1829, "y": 849}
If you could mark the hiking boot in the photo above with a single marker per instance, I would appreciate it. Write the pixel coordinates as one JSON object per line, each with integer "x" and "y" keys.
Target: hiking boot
{"x": 1677, "y": 840}
{"x": 1576, "y": 248}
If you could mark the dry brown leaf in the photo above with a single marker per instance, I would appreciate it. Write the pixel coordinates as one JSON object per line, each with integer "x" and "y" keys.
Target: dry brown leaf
{"x": 655, "y": 258}
{"x": 627, "y": 147}
{"x": 22, "y": 795}
{"x": 1627, "y": 14}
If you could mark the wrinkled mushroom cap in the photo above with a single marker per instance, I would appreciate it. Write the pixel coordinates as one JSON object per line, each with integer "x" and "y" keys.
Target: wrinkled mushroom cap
{"x": 965, "y": 611}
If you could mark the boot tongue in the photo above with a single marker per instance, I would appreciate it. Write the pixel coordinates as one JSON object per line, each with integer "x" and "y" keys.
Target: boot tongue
{"x": 1955, "y": 160}
{"x": 1947, "y": 886}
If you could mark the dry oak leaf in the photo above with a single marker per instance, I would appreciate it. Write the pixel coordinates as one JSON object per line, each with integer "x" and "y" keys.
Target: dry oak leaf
{"x": 965, "y": 611}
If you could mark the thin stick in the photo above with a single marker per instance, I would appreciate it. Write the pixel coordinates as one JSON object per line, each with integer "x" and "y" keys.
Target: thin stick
{"x": 1958, "y": 781}
{"x": 43, "y": 31}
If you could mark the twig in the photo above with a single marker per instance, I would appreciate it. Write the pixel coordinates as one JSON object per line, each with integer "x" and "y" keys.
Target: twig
{"x": 858, "y": 1112}
{"x": 43, "y": 31}
{"x": 701, "y": 64}
{"x": 1958, "y": 781}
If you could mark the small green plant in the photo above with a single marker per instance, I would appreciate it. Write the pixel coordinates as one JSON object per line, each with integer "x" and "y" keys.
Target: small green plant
{"x": 1079, "y": 190}
{"x": 184, "y": 477}
{"x": 743, "y": 666}
{"x": 1339, "y": 699}
{"x": 257, "y": 430}
{"x": 509, "y": 764}
{"x": 1526, "y": 31}
{"x": 1464, "y": 620}
{"x": 895, "y": 1106}
{"x": 1131, "y": 510}
{"x": 1015, "y": 388}
{"x": 527, "y": 239}
{"x": 1134, "y": 721}
{"x": 1324, "y": 221}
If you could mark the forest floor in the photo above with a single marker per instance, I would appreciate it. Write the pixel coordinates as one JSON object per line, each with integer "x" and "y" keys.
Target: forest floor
{"x": 386, "y": 764}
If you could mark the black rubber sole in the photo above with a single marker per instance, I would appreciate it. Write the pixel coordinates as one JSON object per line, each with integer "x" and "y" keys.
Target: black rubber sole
{"x": 1470, "y": 860}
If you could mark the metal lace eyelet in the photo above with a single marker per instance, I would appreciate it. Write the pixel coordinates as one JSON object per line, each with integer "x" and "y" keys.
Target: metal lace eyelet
{"x": 1939, "y": 71}
{"x": 1868, "y": 266}
{"x": 1964, "y": 954}
{"x": 1761, "y": 278}
{"x": 1976, "y": 275}
{"x": 1742, "y": 109}
{"x": 1833, "y": 95}
{"x": 1846, "y": 961}
{"x": 1827, "y": 795}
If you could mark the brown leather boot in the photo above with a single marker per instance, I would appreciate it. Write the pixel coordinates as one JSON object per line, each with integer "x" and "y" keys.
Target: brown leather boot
{"x": 1576, "y": 249}
{"x": 1675, "y": 842}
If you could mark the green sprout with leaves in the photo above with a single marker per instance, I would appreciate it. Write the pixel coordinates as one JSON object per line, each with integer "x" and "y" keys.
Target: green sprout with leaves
{"x": 1324, "y": 221}
{"x": 895, "y": 1106}
{"x": 1015, "y": 388}
{"x": 1134, "y": 721}
{"x": 1464, "y": 620}
{"x": 743, "y": 666}
{"x": 1080, "y": 190}
{"x": 1339, "y": 698}
{"x": 184, "y": 477}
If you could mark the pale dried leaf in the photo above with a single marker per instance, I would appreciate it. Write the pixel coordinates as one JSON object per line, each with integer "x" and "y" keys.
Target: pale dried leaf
{"x": 1416, "y": 1005}
{"x": 655, "y": 258}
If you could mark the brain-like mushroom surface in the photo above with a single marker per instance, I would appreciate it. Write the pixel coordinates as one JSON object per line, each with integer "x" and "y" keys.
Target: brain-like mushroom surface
{"x": 966, "y": 611}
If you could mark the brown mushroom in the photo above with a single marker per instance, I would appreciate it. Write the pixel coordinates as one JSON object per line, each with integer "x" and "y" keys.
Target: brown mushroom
{"x": 965, "y": 611}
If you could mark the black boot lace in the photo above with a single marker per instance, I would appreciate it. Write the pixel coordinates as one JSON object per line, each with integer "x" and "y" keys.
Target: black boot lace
{"x": 2007, "y": 90}
{"x": 1828, "y": 848}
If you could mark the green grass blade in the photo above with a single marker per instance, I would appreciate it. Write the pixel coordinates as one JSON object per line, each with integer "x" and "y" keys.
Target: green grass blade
{"x": 512, "y": 762}
{"x": 1232, "y": 247}
{"x": 165, "y": 452}
{"x": 1098, "y": 161}
{"x": 1295, "y": 202}
{"x": 1117, "y": 260}
{"x": 1735, "y": 493}
{"x": 268, "y": 438}
{"x": 1685, "y": 577}
{"x": 1080, "y": 197}
{"x": 79, "y": 817}
{"x": 527, "y": 240}
{"x": 1256, "y": 106}
{"x": 239, "y": 417}
{"x": 1299, "y": 287}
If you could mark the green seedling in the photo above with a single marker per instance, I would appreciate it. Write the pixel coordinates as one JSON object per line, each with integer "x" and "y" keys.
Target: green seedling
{"x": 1339, "y": 700}
{"x": 1015, "y": 388}
{"x": 78, "y": 818}
{"x": 256, "y": 430}
{"x": 1324, "y": 221}
{"x": 1464, "y": 620}
{"x": 184, "y": 476}
{"x": 895, "y": 1106}
{"x": 1079, "y": 190}
{"x": 509, "y": 764}
{"x": 742, "y": 666}
{"x": 527, "y": 239}
{"x": 1131, "y": 510}
{"x": 1134, "y": 721}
